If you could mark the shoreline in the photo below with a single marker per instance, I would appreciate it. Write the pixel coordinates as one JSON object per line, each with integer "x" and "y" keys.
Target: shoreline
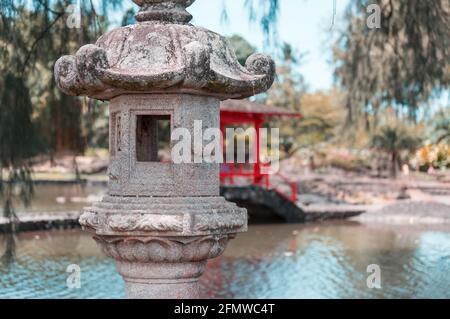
{"x": 43, "y": 221}
{"x": 403, "y": 213}
{"x": 323, "y": 197}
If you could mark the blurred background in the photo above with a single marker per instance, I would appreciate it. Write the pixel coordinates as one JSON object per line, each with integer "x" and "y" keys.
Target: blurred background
{"x": 371, "y": 84}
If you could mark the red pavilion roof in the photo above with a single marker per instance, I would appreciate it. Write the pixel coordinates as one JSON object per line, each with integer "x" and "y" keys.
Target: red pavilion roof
{"x": 246, "y": 107}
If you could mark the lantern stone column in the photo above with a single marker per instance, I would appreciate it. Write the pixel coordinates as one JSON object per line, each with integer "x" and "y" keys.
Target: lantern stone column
{"x": 161, "y": 221}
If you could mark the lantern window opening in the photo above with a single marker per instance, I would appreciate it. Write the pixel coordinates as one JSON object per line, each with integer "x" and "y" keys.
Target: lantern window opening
{"x": 153, "y": 138}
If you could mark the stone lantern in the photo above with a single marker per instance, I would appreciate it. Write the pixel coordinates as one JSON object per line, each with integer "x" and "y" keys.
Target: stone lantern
{"x": 161, "y": 221}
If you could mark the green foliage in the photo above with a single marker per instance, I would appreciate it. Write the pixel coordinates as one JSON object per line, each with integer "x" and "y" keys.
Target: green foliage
{"x": 33, "y": 35}
{"x": 17, "y": 132}
{"x": 264, "y": 12}
{"x": 393, "y": 138}
{"x": 241, "y": 47}
{"x": 95, "y": 125}
{"x": 18, "y": 142}
{"x": 348, "y": 163}
{"x": 289, "y": 85}
{"x": 403, "y": 63}
{"x": 128, "y": 17}
{"x": 323, "y": 117}
{"x": 441, "y": 126}
{"x": 436, "y": 156}
{"x": 321, "y": 112}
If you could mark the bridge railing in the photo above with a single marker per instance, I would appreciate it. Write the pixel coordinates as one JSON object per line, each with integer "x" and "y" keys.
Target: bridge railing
{"x": 229, "y": 172}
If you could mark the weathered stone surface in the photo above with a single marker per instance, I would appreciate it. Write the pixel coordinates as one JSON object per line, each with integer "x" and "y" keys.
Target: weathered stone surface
{"x": 164, "y": 216}
{"x": 147, "y": 249}
{"x": 132, "y": 178}
{"x": 161, "y": 221}
{"x": 171, "y": 11}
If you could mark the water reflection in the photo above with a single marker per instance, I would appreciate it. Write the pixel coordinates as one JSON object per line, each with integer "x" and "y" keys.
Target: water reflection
{"x": 326, "y": 260}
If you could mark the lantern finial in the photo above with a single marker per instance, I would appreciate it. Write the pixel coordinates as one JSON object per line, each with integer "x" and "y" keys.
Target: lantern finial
{"x": 164, "y": 10}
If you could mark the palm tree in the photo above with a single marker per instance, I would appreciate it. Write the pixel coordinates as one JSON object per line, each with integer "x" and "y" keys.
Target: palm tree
{"x": 392, "y": 139}
{"x": 442, "y": 126}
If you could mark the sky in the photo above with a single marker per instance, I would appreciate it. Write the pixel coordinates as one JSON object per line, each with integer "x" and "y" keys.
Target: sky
{"x": 305, "y": 24}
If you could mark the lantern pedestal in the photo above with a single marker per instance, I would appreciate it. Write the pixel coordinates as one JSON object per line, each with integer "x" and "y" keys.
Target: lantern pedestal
{"x": 161, "y": 280}
{"x": 175, "y": 280}
{"x": 161, "y": 244}
{"x": 179, "y": 290}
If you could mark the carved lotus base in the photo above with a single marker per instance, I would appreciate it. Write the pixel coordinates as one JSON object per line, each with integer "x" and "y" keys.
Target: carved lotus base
{"x": 162, "y": 267}
{"x": 161, "y": 245}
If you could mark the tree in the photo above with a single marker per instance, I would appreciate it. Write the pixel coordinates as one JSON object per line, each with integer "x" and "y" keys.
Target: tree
{"x": 33, "y": 34}
{"x": 264, "y": 12}
{"x": 393, "y": 138}
{"x": 402, "y": 64}
{"x": 242, "y": 48}
{"x": 441, "y": 126}
{"x": 286, "y": 92}
{"x": 289, "y": 85}
{"x": 322, "y": 118}
{"x": 128, "y": 17}
{"x": 18, "y": 142}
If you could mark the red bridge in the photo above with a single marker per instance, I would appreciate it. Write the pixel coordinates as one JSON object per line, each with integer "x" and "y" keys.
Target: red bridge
{"x": 244, "y": 112}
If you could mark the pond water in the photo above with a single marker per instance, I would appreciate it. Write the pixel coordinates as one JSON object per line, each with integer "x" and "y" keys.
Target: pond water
{"x": 327, "y": 260}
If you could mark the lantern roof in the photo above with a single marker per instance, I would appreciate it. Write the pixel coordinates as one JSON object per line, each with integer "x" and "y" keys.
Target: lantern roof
{"x": 162, "y": 53}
